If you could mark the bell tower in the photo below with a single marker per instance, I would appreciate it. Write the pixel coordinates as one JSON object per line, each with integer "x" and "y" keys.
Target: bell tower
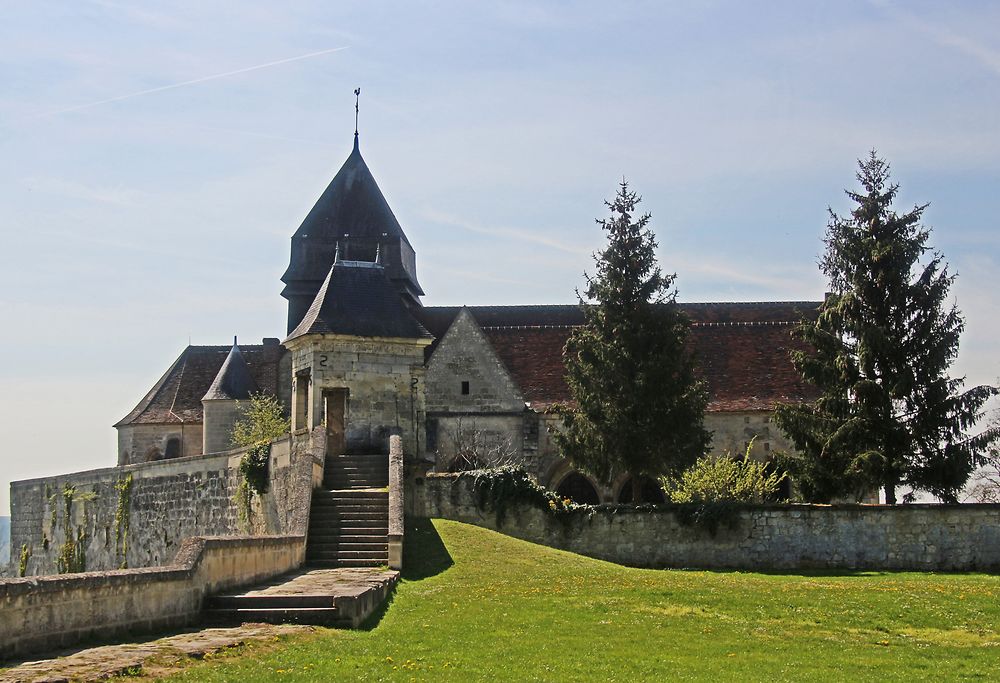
{"x": 351, "y": 216}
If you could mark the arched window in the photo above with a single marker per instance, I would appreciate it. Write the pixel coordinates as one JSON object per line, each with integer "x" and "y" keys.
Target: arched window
{"x": 173, "y": 449}
{"x": 578, "y": 488}
{"x": 651, "y": 492}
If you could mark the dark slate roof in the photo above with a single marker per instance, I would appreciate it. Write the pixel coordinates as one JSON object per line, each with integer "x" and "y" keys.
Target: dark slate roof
{"x": 742, "y": 349}
{"x": 234, "y": 381}
{"x": 353, "y": 205}
{"x": 358, "y": 300}
{"x": 176, "y": 397}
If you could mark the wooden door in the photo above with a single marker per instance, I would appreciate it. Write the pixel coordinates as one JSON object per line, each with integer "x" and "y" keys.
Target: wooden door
{"x": 335, "y": 413}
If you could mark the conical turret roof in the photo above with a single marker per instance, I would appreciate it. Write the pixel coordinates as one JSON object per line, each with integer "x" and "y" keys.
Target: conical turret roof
{"x": 357, "y": 299}
{"x": 353, "y": 211}
{"x": 233, "y": 381}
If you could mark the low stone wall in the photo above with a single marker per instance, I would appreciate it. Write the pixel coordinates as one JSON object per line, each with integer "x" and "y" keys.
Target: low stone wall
{"x": 783, "y": 537}
{"x": 50, "y": 612}
{"x": 138, "y": 515}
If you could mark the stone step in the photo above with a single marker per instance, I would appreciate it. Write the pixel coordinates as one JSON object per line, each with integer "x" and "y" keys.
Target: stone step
{"x": 350, "y": 504}
{"x": 266, "y": 601}
{"x": 321, "y": 563}
{"x": 353, "y": 512}
{"x": 333, "y": 503}
{"x": 331, "y": 520}
{"x": 351, "y": 493}
{"x": 336, "y": 544}
{"x": 359, "y": 484}
{"x": 330, "y": 501}
{"x": 358, "y": 531}
{"x": 316, "y": 616}
{"x": 357, "y": 458}
{"x": 376, "y": 480}
{"x": 338, "y": 555}
{"x": 356, "y": 467}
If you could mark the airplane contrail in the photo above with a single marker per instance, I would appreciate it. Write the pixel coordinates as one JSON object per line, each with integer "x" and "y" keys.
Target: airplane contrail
{"x": 191, "y": 82}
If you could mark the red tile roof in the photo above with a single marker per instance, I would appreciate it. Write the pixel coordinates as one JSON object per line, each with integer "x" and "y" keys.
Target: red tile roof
{"x": 742, "y": 349}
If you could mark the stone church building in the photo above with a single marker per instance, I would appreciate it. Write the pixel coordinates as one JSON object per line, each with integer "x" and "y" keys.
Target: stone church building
{"x": 364, "y": 357}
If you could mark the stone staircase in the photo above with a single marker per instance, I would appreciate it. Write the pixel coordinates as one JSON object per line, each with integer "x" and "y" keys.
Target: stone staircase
{"x": 349, "y": 518}
{"x": 341, "y": 598}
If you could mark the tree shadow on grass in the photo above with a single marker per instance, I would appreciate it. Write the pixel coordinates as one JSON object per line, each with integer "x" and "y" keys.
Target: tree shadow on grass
{"x": 424, "y": 556}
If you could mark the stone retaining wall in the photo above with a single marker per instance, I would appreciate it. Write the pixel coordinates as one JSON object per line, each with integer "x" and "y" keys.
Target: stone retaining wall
{"x": 138, "y": 515}
{"x": 50, "y": 612}
{"x": 783, "y": 537}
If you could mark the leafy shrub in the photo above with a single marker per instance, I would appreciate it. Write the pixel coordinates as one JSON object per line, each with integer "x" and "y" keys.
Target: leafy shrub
{"x": 263, "y": 420}
{"x": 724, "y": 479}
{"x": 711, "y": 491}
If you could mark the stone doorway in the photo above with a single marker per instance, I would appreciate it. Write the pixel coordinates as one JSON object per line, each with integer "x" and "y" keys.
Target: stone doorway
{"x": 335, "y": 417}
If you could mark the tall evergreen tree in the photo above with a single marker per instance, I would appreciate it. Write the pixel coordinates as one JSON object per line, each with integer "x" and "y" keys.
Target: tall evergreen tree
{"x": 639, "y": 406}
{"x": 889, "y": 415}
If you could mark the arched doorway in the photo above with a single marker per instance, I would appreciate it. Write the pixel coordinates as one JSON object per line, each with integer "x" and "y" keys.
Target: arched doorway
{"x": 578, "y": 488}
{"x": 651, "y": 491}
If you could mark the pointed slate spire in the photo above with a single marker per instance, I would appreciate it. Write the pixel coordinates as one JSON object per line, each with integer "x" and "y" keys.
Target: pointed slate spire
{"x": 357, "y": 299}
{"x": 352, "y": 211}
{"x": 233, "y": 381}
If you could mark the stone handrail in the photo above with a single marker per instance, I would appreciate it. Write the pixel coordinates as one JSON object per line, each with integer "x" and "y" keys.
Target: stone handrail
{"x": 395, "y": 502}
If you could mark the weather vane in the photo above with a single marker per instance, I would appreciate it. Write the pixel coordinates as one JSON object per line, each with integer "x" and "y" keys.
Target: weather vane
{"x": 357, "y": 99}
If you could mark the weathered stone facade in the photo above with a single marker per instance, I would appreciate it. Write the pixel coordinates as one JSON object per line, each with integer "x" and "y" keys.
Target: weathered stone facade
{"x": 165, "y": 501}
{"x": 140, "y": 443}
{"x": 382, "y": 381}
{"x": 788, "y": 537}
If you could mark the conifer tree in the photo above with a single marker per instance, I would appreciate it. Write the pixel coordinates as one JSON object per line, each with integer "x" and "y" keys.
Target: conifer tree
{"x": 639, "y": 406}
{"x": 888, "y": 415}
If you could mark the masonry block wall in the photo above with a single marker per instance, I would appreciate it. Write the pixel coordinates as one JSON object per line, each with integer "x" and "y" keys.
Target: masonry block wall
{"x": 148, "y": 442}
{"x": 384, "y": 381}
{"x": 59, "y": 611}
{"x": 138, "y": 515}
{"x": 784, "y": 537}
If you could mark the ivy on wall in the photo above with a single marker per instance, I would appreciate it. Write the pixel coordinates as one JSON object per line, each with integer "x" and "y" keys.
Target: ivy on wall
{"x": 122, "y": 517}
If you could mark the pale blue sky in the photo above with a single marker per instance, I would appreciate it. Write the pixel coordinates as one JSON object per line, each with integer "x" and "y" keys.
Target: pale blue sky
{"x": 495, "y": 131}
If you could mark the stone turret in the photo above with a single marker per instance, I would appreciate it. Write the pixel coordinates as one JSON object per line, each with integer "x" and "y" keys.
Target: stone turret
{"x": 353, "y": 214}
{"x": 221, "y": 402}
{"x": 358, "y": 362}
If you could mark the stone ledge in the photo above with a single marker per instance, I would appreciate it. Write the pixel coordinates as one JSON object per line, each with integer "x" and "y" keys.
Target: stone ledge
{"x": 52, "y": 611}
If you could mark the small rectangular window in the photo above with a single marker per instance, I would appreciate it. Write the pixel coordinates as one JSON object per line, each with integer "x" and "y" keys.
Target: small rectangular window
{"x": 432, "y": 434}
{"x": 465, "y": 388}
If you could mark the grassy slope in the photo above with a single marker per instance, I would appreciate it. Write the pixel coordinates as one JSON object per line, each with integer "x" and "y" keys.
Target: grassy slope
{"x": 510, "y": 610}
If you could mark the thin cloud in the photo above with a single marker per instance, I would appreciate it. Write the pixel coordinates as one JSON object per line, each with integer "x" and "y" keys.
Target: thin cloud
{"x": 507, "y": 233}
{"x": 194, "y": 81}
{"x": 983, "y": 54}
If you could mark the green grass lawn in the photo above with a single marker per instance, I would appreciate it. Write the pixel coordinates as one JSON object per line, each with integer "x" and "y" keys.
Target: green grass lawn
{"x": 477, "y": 605}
